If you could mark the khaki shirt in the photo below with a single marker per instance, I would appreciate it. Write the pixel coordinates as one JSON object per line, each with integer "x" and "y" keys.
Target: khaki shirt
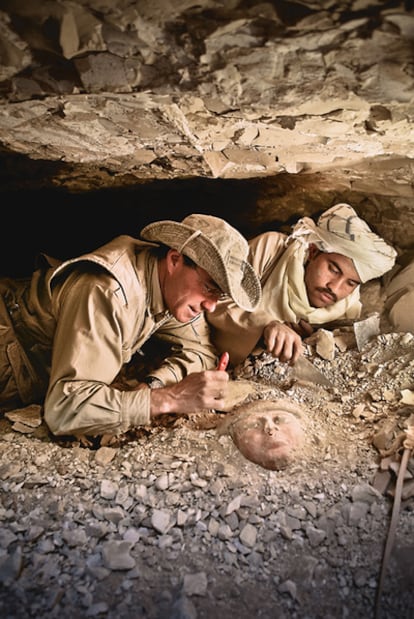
{"x": 99, "y": 309}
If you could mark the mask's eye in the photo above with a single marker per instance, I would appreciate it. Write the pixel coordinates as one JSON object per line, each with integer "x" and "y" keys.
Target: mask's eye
{"x": 282, "y": 418}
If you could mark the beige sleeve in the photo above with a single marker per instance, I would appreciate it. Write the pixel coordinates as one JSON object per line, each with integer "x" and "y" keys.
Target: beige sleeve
{"x": 191, "y": 349}
{"x": 87, "y": 355}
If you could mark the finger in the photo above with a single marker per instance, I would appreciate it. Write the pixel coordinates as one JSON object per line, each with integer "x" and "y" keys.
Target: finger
{"x": 279, "y": 347}
{"x": 286, "y": 353}
{"x": 223, "y": 362}
{"x": 297, "y": 352}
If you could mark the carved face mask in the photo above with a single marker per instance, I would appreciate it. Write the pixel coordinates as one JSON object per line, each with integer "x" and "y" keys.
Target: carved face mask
{"x": 268, "y": 433}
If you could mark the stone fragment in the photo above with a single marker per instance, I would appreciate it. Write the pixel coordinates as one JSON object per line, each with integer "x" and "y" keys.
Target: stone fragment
{"x": 161, "y": 520}
{"x": 325, "y": 344}
{"x": 11, "y": 566}
{"x": 195, "y": 584}
{"x": 25, "y": 419}
{"x": 104, "y": 455}
{"x": 366, "y": 329}
{"x": 315, "y": 536}
{"x": 248, "y": 535}
{"x": 116, "y": 555}
{"x": 289, "y": 587}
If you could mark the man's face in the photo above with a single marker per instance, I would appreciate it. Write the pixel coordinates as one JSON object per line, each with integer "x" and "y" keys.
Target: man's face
{"x": 329, "y": 277}
{"x": 268, "y": 438}
{"x": 187, "y": 291}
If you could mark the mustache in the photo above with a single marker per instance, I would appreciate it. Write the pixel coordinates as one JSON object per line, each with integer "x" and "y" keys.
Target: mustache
{"x": 329, "y": 292}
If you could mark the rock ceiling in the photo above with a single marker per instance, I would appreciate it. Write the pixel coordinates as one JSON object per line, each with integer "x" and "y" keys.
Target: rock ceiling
{"x": 309, "y": 101}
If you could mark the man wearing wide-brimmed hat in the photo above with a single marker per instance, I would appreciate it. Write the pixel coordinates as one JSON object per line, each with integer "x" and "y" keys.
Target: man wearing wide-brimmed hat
{"x": 68, "y": 331}
{"x": 309, "y": 278}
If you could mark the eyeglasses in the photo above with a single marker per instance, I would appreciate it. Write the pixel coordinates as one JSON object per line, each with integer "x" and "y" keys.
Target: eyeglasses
{"x": 210, "y": 289}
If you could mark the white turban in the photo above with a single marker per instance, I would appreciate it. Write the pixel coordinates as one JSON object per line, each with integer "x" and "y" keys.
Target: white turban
{"x": 339, "y": 230}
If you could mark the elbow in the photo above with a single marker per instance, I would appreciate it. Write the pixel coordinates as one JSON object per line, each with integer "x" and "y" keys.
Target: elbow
{"x": 58, "y": 414}
{"x": 52, "y": 420}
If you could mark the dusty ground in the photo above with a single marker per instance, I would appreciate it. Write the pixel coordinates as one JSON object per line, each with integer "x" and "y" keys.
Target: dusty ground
{"x": 174, "y": 523}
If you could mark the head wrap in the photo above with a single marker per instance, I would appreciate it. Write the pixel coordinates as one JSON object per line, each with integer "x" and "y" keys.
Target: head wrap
{"x": 339, "y": 230}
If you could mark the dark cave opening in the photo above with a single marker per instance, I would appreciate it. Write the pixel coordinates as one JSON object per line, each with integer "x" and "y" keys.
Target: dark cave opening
{"x": 64, "y": 224}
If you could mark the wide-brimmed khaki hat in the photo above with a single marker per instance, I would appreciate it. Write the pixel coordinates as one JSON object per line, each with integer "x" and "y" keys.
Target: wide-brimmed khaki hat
{"x": 215, "y": 246}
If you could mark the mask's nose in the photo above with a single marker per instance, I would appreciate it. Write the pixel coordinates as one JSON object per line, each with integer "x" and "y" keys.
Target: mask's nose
{"x": 270, "y": 427}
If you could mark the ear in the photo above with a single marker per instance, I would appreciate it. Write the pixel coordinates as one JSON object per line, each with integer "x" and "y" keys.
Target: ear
{"x": 173, "y": 259}
{"x": 313, "y": 251}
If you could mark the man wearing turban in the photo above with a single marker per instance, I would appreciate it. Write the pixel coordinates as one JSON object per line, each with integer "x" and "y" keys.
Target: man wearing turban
{"x": 310, "y": 278}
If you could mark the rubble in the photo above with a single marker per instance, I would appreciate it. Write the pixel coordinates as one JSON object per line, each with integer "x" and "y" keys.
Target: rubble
{"x": 173, "y": 520}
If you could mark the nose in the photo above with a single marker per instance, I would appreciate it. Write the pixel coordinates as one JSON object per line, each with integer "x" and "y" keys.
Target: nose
{"x": 338, "y": 287}
{"x": 334, "y": 284}
{"x": 209, "y": 305}
{"x": 270, "y": 427}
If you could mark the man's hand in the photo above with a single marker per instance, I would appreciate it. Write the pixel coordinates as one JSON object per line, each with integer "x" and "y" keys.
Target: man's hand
{"x": 197, "y": 391}
{"x": 283, "y": 341}
{"x": 302, "y": 328}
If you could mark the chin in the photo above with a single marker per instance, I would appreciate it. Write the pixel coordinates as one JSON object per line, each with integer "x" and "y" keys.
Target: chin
{"x": 182, "y": 319}
{"x": 277, "y": 464}
{"x": 182, "y": 314}
{"x": 318, "y": 303}
{"x": 314, "y": 302}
